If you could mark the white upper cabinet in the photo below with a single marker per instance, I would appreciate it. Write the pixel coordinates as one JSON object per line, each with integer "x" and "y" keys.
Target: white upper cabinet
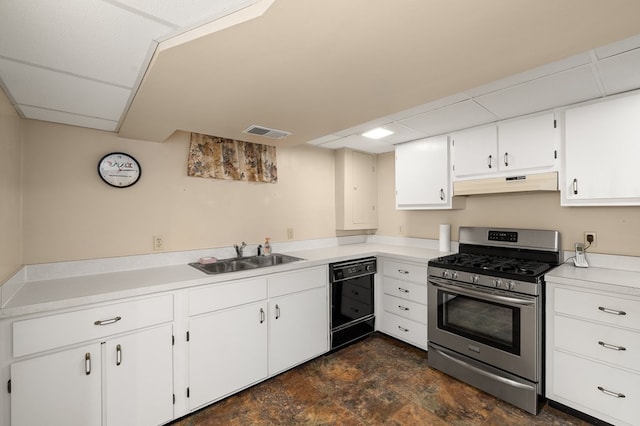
{"x": 475, "y": 152}
{"x": 601, "y": 152}
{"x": 527, "y": 144}
{"x": 422, "y": 175}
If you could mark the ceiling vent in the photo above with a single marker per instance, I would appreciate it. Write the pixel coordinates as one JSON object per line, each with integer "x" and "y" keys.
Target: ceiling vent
{"x": 266, "y": 132}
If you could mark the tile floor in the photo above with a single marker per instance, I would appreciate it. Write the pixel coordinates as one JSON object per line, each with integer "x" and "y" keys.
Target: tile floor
{"x": 377, "y": 381}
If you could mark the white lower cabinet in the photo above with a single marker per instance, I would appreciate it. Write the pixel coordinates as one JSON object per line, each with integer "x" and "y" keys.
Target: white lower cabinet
{"x": 404, "y": 301}
{"x": 63, "y": 388}
{"x": 592, "y": 351}
{"x": 298, "y": 328}
{"x": 227, "y": 352}
{"x": 124, "y": 380}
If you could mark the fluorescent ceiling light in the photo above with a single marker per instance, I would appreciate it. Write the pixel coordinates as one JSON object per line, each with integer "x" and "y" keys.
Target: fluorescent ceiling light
{"x": 377, "y": 133}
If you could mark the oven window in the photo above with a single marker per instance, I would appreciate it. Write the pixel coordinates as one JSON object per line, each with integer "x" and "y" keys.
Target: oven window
{"x": 486, "y": 322}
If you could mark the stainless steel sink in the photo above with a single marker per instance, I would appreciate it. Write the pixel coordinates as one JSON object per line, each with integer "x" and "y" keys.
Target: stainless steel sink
{"x": 234, "y": 264}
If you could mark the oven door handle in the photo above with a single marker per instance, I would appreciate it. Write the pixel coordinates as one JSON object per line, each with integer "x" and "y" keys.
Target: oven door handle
{"x": 437, "y": 282}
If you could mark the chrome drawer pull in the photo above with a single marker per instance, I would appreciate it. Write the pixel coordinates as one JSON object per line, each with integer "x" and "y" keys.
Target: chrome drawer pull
{"x": 610, "y": 346}
{"x": 107, "y": 322}
{"x": 611, "y": 311}
{"x": 611, "y": 393}
{"x": 87, "y": 363}
{"x": 403, "y": 290}
{"x": 262, "y": 318}
{"x": 406, "y": 330}
{"x": 403, "y": 308}
{"x": 118, "y": 354}
{"x": 277, "y": 312}
{"x": 402, "y": 271}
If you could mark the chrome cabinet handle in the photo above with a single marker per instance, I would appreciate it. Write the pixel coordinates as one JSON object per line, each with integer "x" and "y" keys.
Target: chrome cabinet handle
{"x": 403, "y": 329}
{"x": 118, "y": 354}
{"x": 403, "y": 290}
{"x": 402, "y": 271}
{"x": 277, "y": 311}
{"x": 261, "y": 315}
{"x": 490, "y": 159}
{"x": 441, "y": 194}
{"x": 506, "y": 159}
{"x": 403, "y": 308}
{"x": 575, "y": 186}
{"x": 611, "y": 311}
{"x": 108, "y": 321}
{"x": 87, "y": 363}
{"x": 610, "y": 346}
{"x": 611, "y": 393}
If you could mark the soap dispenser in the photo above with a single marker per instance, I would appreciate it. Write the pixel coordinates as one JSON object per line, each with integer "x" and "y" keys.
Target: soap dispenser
{"x": 267, "y": 246}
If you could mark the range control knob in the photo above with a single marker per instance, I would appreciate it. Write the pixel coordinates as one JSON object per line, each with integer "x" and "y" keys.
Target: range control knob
{"x": 446, "y": 274}
{"x": 497, "y": 283}
{"x": 474, "y": 279}
{"x": 511, "y": 285}
{"x": 454, "y": 275}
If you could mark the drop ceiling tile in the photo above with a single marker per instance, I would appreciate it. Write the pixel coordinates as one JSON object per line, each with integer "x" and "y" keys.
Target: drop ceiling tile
{"x": 66, "y": 118}
{"x": 91, "y": 38}
{"x": 565, "y": 88}
{"x": 62, "y": 92}
{"x": 533, "y": 74}
{"x": 453, "y": 117}
{"x": 324, "y": 139}
{"x": 618, "y": 47}
{"x": 185, "y": 14}
{"x": 360, "y": 143}
{"x": 401, "y": 134}
{"x": 429, "y": 106}
{"x": 621, "y": 72}
{"x": 361, "y": 128}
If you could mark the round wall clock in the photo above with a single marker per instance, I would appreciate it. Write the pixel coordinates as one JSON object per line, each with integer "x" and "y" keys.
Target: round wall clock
{"x": 119, "y": 169}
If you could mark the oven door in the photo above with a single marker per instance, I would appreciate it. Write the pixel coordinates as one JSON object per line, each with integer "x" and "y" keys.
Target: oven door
{"x": 496, "y": 327}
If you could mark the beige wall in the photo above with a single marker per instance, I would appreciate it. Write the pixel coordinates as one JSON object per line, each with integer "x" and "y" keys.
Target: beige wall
{"x": 69, "y": 213}
{"x": 10, "y": 201}
{"x": 617, "y": 228}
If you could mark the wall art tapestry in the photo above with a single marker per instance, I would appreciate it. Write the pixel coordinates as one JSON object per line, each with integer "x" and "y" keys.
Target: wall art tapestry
{"x": 222, "y": 158}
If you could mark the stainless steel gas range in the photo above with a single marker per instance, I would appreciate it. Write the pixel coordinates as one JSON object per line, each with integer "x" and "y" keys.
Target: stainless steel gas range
{"x": 486, "y": 311}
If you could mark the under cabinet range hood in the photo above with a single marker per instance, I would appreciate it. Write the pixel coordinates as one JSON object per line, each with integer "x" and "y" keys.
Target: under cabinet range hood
{"x": 505, "y": 184}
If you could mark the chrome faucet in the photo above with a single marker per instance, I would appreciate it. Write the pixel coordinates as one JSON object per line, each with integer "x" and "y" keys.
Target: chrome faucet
{"x": 239, "y": 248}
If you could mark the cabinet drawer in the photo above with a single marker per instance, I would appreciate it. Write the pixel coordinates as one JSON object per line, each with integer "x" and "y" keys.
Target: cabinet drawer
{"x": 405, "y": 271}
{"x": 405, "y": 308}
{"x": 404, "y": 329}
{"x": 577, "y": 379}
{"x": 583, "y": 338}
{"x": 406, "y": 290}
{"x": 597, "y": 307}
{"x": 295, "y": 281}
{"x": 222, "y": 296}
{"x": 54, "y": 331}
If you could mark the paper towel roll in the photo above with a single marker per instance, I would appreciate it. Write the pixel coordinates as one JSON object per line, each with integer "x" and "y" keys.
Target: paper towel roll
{"x": 445, "y": 237}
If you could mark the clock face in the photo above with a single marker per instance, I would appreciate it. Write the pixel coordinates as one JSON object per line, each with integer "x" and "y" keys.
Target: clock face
{"x": 119, "y": 169}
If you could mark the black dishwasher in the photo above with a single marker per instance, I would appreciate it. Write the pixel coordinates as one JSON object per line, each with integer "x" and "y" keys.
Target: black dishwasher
{"x": 352, "y": 300}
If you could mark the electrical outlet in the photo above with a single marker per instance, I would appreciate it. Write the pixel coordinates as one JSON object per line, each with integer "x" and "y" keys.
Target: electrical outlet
{"x": 289, "y": 233}
{"x": 158, "y": 242}
{"x": 588, "y": 235}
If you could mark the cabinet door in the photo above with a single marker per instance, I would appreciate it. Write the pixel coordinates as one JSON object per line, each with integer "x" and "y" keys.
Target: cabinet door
{"x": 602, "y": 147}
{"x": 62, "y": 389}
{"x": 365, "y": 195}
{"x": 528, "y": 143}
{"x": 475, "y": 152}
{"x": 422, "y": 173}
{"x": 298, "y": 328}
{"x": 227, "y": 351}
{"x": 139, "y": 378}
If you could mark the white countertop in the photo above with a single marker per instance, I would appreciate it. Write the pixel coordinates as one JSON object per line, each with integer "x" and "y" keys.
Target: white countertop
{"x": 59, "y": 293}
{"x": 597, "y": 278}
